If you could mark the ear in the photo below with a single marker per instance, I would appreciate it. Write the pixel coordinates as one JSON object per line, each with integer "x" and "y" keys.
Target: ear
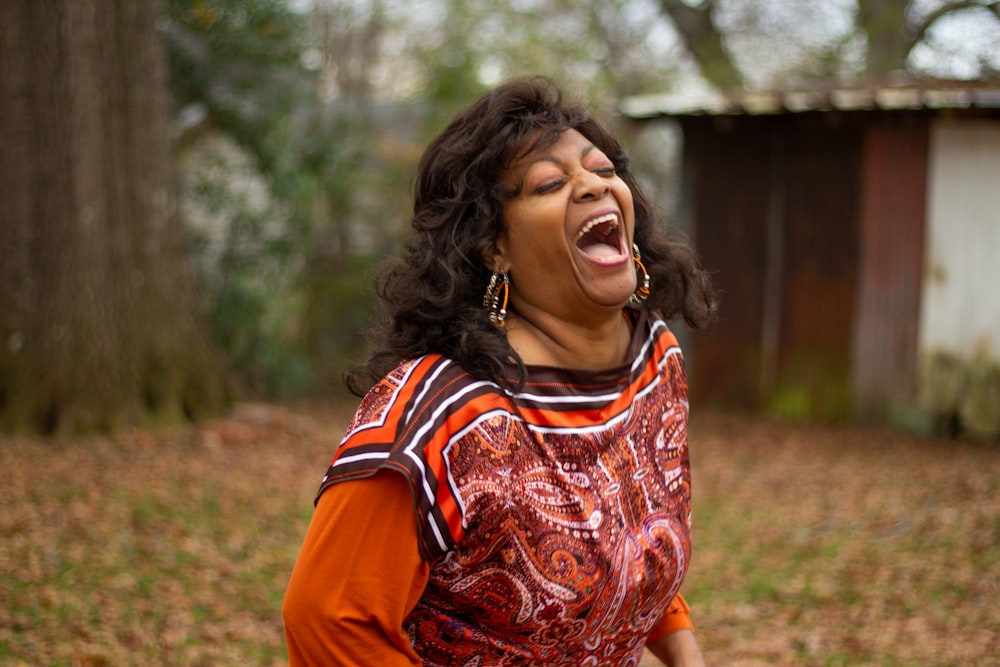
{"x": 495, "y": 257}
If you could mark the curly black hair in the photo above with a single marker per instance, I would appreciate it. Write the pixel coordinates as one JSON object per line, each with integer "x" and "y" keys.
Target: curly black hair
{"x": 433, "y": 290}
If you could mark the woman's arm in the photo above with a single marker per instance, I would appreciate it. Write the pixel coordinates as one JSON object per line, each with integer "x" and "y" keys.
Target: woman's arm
{"x": 672, "y": 640}
{"x": 678, "y": 649}
{"x": 358, "y": 574}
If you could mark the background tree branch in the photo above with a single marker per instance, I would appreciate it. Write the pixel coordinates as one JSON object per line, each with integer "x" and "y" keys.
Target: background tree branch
{"x": 706, "y": 43}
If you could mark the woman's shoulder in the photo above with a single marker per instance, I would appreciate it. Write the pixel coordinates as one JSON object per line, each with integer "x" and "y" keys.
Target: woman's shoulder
{"x": 431, "y": 377}
{"x": 418, "y": 388}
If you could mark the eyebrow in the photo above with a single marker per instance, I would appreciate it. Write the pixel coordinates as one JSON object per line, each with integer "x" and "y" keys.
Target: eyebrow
{"x": 548, "y": 157}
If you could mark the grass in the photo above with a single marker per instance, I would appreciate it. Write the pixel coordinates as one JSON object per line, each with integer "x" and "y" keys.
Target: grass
{"x": 814, "y": 545}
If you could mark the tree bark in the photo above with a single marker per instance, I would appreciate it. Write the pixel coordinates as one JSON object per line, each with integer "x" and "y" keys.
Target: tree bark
{"x": 99, "y": 324}
{"x": 890, "y": 35}
{"x": 704, "y": 41}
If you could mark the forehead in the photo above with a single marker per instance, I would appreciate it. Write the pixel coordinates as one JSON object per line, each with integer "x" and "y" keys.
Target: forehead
{"x": 542, "y": 145}
{"x": 565, "y": 144}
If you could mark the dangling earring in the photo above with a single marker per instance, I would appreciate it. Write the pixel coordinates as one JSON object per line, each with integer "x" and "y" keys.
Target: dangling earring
{"x": 495, "y": 299}
{"x": 642, "y": 290}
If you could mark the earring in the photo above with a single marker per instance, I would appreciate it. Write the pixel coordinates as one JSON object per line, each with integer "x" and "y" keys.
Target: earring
{"x": 495, "y": 299}
{"x": 642, "y": 290}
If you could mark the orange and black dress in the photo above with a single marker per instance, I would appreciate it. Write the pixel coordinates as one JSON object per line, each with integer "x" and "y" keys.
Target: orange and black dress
{"x": 552, "y": 524}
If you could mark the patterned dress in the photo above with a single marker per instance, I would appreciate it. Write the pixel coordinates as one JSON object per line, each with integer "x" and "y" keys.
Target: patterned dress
{"x": 556, "y": 519}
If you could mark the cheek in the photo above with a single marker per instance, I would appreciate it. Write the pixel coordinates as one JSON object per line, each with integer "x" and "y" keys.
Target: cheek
{"x": 528, "y": 225}
{"x": 624, "y": 193}
{"x": 535, "y": 233}
{"x": 627, "y": 204}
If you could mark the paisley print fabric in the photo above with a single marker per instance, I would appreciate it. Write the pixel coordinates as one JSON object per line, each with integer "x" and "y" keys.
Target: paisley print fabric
{"x": 556, "y": 519}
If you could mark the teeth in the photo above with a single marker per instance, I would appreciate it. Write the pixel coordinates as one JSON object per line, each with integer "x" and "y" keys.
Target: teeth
{"x": 610, "y": 217}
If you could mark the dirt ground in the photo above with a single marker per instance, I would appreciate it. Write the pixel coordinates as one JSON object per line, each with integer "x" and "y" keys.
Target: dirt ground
{"x": 814, "y": 544}
{"x": 837, "y": 545}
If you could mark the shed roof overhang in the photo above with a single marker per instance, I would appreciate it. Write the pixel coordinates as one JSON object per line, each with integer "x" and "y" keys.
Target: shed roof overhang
{"x": 918, "y": 96}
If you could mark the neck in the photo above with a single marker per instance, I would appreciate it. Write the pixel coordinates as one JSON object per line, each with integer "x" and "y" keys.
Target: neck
{"x": 543, "y": 340}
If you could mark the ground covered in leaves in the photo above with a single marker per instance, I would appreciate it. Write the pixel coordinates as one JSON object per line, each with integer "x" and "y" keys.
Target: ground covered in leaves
{"x": 814, "y": 545}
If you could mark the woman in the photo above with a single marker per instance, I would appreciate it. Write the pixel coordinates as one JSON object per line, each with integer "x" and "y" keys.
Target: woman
{"x": 527, "y": 406}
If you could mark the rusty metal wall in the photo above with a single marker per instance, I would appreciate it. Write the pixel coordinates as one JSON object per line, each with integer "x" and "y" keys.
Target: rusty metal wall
{"x": 893, "y": 217}
{"x": 818, "y": 210}
{"x": 726, "y": 165}
{"x": 776, "y": 202}
{"x": 819, "y": 280}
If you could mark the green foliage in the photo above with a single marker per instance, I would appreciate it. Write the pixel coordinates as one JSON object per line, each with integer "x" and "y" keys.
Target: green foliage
{"x": 264, "y": 211}
{"x": 241, "y": 60}
{"x": 962, "y": 393}
{"x": 790, "y": 403}
{"x": 236, "y": 65}
{"x": 339, "y": 309}
{"x": 812, "y": 385}
{"x": 244, "y": 261}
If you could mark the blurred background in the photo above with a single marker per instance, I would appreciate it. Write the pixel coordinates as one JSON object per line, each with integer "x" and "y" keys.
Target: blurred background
{"x": 195, "y": 192}
{"x": 194, "y": 195}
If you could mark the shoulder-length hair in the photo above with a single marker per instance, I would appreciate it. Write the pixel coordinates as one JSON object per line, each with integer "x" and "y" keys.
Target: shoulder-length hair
{"x": 433, "y": 290}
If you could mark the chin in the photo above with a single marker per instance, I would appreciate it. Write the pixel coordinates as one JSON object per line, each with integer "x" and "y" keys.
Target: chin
{"x": 617, "y": 303}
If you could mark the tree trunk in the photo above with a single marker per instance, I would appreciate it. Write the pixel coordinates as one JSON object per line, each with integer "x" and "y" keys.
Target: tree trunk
{"x": 704, "y": 41}
{"x": 99, "y": 325}
{"x": 890, "y": 36}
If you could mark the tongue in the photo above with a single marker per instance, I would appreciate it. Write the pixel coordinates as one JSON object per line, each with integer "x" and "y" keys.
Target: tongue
{"x": 599, "y": 250}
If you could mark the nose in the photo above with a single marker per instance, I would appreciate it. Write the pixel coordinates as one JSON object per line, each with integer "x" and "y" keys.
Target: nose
{"x": 591, "y": 186}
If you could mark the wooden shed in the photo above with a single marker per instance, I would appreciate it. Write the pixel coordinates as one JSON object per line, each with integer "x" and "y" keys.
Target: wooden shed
{"x": 855, "y": 234}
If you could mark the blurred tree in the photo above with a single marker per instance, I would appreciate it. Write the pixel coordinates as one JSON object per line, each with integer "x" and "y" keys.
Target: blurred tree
{"x": 99, "y": 325}
{"x": 887, "y": 33}
{"x": 246, "y": 108}
{"x": 356, "y": 201}
{"x": 236, "y": 66}
{"x": 696, "y": 24}
{"x": 804, "y": 39}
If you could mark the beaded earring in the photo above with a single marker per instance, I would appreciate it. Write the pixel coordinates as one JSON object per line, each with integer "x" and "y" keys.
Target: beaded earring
{"x": 495, "y": 299}
{"x": 642, "y": 289}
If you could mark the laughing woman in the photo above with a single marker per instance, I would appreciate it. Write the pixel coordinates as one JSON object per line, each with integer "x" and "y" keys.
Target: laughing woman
{"x": 514, "y": 488}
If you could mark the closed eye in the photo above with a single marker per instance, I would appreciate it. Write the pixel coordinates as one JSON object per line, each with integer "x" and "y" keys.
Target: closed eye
{"x": 553, "y": 185}
{"x": 550, "y": 186}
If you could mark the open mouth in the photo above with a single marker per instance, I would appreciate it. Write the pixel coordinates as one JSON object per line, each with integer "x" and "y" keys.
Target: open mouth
{"x": 600, "y": 237}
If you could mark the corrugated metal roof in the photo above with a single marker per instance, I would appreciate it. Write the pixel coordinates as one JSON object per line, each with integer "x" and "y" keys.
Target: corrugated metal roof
{"x": 935, "y": 95}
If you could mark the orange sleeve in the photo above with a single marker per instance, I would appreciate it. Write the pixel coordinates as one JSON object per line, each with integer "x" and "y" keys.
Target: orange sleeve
{"x": 676, "y": 617}
{"x": 358, "y": 574}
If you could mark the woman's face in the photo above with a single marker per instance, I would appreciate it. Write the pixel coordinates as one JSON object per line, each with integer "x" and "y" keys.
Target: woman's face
{"x": 567, "y": 235}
